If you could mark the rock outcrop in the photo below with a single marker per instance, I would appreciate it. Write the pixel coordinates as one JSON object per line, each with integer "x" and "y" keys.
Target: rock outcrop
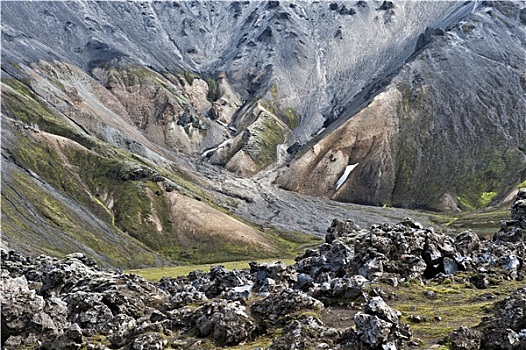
{"x": 70, "y": 303}
{"x": 506, "y": 329}
{"x": 407, "y": 251}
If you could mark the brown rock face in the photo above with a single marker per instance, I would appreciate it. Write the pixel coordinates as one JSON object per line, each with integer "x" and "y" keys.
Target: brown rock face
{"x": 365, "y": 140}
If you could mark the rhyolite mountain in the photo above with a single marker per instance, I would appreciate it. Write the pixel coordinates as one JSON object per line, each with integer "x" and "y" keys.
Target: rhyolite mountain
{"x": 140, "y": 131}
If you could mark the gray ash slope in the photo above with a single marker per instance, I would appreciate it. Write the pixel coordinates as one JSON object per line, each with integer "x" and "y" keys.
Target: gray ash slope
{"x": 319, "y": 59}
{"x": 140, "y": 89}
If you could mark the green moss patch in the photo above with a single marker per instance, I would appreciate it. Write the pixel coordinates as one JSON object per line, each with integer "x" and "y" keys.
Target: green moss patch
{"x": 457, "y": 304}
{"x": 155, "y": 274}
{"x": 25, "y": 106}
{"x": 265, "y": 135}
{"x": 288, "y": 115}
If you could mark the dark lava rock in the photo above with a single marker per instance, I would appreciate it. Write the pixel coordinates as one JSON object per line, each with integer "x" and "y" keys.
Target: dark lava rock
{"x": 349, "y": 287}
{"x": 276, "y": 308}
{"x": 58, "y": 302}
{"x": 305, "y": 333}
{"x": 386, "y": 5}
{"x": 465, "y": 339}
{"x": 518, "y": 208}
{"x": 378, "y": 327}
{"x": 28, "y": 316}
{"x": 340, "y": 229}
{"x": 467, "y": 242}
{"x": 504, "y": 330}
{"x": 150, "y": 341}
{"x": 507, "y": 328}
{"x": 272, "y": 277}
{"x": 226, "y": 323}
{"x": 70, "y": 340}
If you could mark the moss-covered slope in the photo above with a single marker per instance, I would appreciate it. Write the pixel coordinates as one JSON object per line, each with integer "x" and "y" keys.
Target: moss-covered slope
{"x": 64, "y": 190}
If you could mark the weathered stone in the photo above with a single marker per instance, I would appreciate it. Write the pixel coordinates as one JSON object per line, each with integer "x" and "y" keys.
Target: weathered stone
{"x": 340, "y": 229}
{"x": 518, "y": 208}
{"x": 349, "y": 287}
{"x": 70, "y": 340}
{"x": 305, "y": 333}
{"x": 513, "y": 235}
{"x": 465, "y": 339}
{"x": 118, "y": 329}
{"x": 467, "y": 242}
{"x": 371, "y": 329}
{"x": 274, "y": 308}
{"x": 377, "y": 306}
{"x": 226, "y": 323}
{"x": 150, "y": 341}
{"x": 272, "y": 276}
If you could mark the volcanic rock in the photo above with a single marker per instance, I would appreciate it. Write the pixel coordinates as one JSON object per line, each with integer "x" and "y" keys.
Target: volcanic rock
{"x": 226, "y": 323}
{"x": 465, "y": 339}
{"x": 506, "y": 329}
{"x": 306, "y": 332}
{"x": 276, "y": 308}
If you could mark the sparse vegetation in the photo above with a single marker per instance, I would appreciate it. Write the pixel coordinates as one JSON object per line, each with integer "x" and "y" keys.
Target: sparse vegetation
{"x": 189, "y": 77}
{"x": 287, "y": 115}
{"x": 455, "y": 303}
{"x": 155, "y": 274}
{"x": 26, "y": 107}
{"x": 485, "y": 222}
{"x": 486, "y": 198}
{"x": 267, "y": 134}
{"x": 214, "y": 92}
{"x": 468, "y": 28}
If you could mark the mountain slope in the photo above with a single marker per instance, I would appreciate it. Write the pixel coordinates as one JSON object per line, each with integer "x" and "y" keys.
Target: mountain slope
{"x": 124, "y": 116}
{"x": 97, "y": 195}
{"x": 447, "y": 132}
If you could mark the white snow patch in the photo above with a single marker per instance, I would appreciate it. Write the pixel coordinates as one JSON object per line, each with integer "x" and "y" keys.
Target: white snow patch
{"x": 224, "y": 143}
{"x": 345, "y": 175}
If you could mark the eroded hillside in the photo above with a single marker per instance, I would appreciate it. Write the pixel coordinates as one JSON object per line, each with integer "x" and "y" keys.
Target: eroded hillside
{"x": 164, "y": 130}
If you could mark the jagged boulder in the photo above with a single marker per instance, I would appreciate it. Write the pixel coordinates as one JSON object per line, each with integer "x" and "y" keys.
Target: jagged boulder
{"x": 89, "y": 311}
{"x": 186, "y": 290}
{"x": 305, "y": 333}
{"x": 223, "y": 280}
{"x": 149, "y": 341}
{"x": 507, "y": 328}
{"x": 518, "y": 208}
{"x": 467, "y": 242}
{"x": 405, "y": 249}
{"x": 71, "y": 339}
{"x": 372, "y": 330}
{"x": 119, "y": 329}
{"x": 377, "y": 327}
{"x": 276, "y": 309}
{"x": 26, "y": 316}
{"x": 465, "y": 339}
{"x": 341, "y": 288}
{"x": 226, "y": 323}
{"x": 272, "y": 277}
{"x": 344, "y": 230}
{"x": 349, "y": 287}
{"x": 61, "y": 302}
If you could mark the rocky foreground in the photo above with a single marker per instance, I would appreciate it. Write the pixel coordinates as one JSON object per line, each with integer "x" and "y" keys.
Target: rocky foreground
{"x": 71, "y": 303}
